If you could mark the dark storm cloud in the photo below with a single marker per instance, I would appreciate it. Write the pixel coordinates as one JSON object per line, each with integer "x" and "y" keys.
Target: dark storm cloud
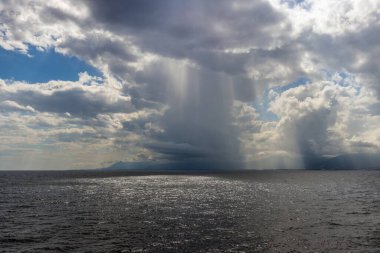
{"x": 311, "y": 131}
{"x": 133, "y": 13}
{"x": 153, "y": 84}
{"x": 95, "y": 46}
{"x": 220, "y": 61}
{"x": 200, "y": 114}
{"x": 182, "y": 19}
{"x": 203, "y": 118}
{"x": 180, "y": 152}
{"x": 192, "y": 29}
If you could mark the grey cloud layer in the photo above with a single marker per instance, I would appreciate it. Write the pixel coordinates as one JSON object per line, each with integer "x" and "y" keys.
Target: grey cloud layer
{"x": 77, "y": 100}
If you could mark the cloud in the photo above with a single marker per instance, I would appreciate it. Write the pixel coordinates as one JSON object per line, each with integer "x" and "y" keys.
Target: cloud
{"x": 339, "y": 36}
{"x": 319, "y": 119}
{"x": 197, "y": 110}
{"x": 194, "y": 25}
{"x": 183, "y": 80}
{"x": 325, "y": 118}
{"x": 75, "y": 98}
{"x": 81, "y": 118}
{"x": 9, "y": 106}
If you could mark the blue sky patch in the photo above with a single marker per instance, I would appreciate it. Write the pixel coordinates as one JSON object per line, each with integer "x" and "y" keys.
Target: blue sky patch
{"x": 42, "y": 66}
{"x": 262, "y": 105}
{"x": 300, "y": 81}
{"x": 297, "y": 3}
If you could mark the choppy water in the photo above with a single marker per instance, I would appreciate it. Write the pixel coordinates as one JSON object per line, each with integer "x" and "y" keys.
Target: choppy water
{"x": 276, "y": 211}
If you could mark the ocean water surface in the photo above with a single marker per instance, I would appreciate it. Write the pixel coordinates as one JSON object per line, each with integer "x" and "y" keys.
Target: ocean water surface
{"x": 259, "y": 211}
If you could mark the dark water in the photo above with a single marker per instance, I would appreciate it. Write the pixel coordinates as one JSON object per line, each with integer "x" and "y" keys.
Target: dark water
{"x": 275, "y": 211}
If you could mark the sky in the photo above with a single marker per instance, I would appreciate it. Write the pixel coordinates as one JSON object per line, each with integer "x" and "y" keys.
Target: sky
{"x": 248, "y": 84}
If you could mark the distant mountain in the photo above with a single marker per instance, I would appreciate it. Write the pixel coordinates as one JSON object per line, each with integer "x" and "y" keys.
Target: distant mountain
{"x": 133, "y": 166}
{"x": 341, "y": 162}
{"x": 193, "y": 165}
{"x": 118, "y": 166}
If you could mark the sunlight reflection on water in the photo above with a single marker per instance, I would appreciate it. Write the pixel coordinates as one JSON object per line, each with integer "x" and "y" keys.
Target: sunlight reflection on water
{"x": 276, "y": 211}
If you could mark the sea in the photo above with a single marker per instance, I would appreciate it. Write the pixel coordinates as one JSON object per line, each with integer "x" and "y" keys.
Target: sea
{"x": 190, "y": 211}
